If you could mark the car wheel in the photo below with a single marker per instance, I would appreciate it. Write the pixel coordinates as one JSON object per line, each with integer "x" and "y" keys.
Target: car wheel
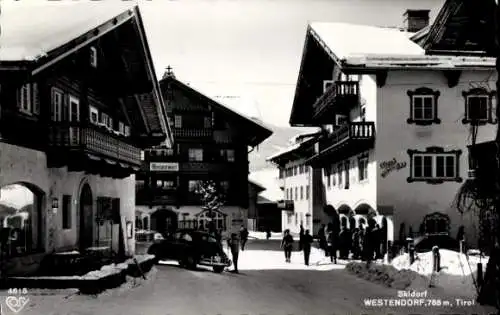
{"x": 190, "y": 262}
{"x": 218, "y": 269}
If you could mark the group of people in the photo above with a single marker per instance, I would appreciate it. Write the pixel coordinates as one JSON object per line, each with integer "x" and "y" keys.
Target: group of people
{"x": 358, "y": 243}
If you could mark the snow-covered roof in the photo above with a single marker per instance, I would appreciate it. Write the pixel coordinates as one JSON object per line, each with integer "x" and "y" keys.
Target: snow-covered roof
{"x": 283, "y": 151}
{"x": 268, "y": 178}
{"x": 31, "y": 29}
{"x": 415, "y": 62}
{"x": 351, "y": 40}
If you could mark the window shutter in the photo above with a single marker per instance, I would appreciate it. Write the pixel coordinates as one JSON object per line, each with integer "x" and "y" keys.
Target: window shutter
{"x": 115, "y": 210}
{"x": 36, "y": 99}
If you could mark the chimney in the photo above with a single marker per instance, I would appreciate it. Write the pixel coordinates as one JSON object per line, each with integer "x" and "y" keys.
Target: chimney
{"x": 415, "y": 20}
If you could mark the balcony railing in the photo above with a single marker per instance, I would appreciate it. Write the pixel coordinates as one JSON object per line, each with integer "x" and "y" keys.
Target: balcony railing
{"x": 352, "y": 130}
{"x": 192, "y": 133}
{"x": 93, "y": 140}
{"x": 343, "y": 92}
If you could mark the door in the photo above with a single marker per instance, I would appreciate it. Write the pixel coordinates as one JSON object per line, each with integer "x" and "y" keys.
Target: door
{"x": 86, "y": 215}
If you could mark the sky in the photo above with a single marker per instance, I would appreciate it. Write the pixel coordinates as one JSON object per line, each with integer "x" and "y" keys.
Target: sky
{"x": 252, "y": 49}
{"x": 247, "y": 51}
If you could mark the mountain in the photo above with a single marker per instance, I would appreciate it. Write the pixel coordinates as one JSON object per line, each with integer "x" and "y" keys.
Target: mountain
{"x": 279, "y": 140}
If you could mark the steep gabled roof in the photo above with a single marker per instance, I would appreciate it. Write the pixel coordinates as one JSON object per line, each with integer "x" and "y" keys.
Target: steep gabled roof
{"x": 255, "y": 131}
{"x": 37, "y": 35}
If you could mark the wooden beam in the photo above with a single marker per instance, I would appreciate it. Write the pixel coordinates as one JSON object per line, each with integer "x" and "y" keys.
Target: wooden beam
{"x": 453, "y": 77}
{"x": 381, "y": 77}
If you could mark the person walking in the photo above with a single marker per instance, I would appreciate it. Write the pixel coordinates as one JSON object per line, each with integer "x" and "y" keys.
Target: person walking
{"x": 301, "y": 237}
{"x": 268, "y": 233}
{"x": 243, "y": 237}
{"x": 331, "y": 240}
{"x": 287, "y": 245}
{"x": 234, "y": 246}
{"x": 306, "y": 246}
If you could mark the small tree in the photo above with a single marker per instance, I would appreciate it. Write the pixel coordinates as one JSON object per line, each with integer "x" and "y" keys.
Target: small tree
{"x": 212, "y": 199}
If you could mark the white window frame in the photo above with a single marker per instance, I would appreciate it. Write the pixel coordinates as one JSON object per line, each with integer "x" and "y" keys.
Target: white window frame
{"x": 94, "y": 111}
{"x": 72, "y": 101}
{"x": 434, "y": 157}
{"x": 109, "y": 123}
{"x": 193, "y": 185}
{"x": 193, "y": 155}
{"x": 103, "y": 121}
{"x": 121, "y": 127}
{"x": 127, "y": 131}
{"x": 93, "y": 57}
{"x": 25, "y": 101}
{"x": 488, "y": 110}
{"x": 422, "y": 110}
{"x": 56, "y": 109}
{"x": 363, "y": 168}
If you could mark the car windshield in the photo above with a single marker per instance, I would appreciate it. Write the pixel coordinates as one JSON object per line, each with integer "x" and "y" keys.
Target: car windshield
{"x": 208, "y": 238}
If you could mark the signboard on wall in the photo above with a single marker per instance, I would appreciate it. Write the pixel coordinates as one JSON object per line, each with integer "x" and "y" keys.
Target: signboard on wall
{"x": 164, "y": 167}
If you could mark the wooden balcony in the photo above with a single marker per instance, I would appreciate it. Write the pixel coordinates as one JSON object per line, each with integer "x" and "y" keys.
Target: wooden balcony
{"x": 223, "y": 136}
{"x": 345, "y": 141}
{"x": 339, "y": 98}
{"x": 91, "y": 149}
{"x": 204, "y": 167}
{"x": 193, "y": 133}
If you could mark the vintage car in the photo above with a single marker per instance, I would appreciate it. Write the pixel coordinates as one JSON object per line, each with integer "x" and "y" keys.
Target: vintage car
{"x": 191, "y": 248}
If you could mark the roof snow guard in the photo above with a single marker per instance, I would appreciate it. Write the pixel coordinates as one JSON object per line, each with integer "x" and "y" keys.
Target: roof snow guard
{"x": 31, "y": 42}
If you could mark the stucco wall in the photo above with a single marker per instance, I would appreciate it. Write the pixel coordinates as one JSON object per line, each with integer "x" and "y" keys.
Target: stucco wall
{"x": 302, "y": 206}
{"x": 412, "y": 201}
{"x": 21, "y": 165}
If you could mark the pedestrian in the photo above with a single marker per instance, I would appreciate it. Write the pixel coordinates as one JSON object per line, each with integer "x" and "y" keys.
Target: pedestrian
{"x": 322, "y": 239}
{"x": 306, "y": 246}
{"x": 301, "y": 237}
{"x": 234, "y": 245}
{"x": 355, "y": 244}
{"x": 268, "y": 233}
{"x": 243, "y": 237}
{"x": 287, "y": 245}
{"x": 331, "y": 240}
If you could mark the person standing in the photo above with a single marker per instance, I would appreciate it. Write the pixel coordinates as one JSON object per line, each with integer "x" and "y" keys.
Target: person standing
{"x": 287, "y": 245}
{"x": 331, "y": 240}
{"x": 322, "y": 239}
{"x": 234, "y": 246}
{"x": 243, "y": 237}
{"x": 268, "y": 233}
{"x": 306, "y": 246}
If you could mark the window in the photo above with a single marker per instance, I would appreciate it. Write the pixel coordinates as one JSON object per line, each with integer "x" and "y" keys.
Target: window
{"x": 307, "y": 192}
{"x": 334, "y": 174}
{"x": 94, "y": 115}
{"x": 217, "y": 218}
{"x": 207, "y": 122}
{"x": 193, "y": 185}
{"x": 296, "y": 218}
{"x": 195, "y": 155}
{"x": 57, "y": 104}
{"x": 142, "y": 155}
{"x": 328, "y": 177}
{"x": 227, "y": 154}
{"x": 436, "y": 223}
{"x": 121, "y": 127}
{"x": 24, "y": 98}
{"x": 347, "y": 166}
{"x": 363, "y": 167}
{"x": 362, "y": 113}
{"x": 224, "y": 185}
{"x": 308, "y": 220}
{"x": 93, "y": 57}
{"x": 296, "y": 193}
{"x": 339, "y": 172}
{"x": 288, "y": 218}
{"x": 74, "y": 108}
{"x": 301, "y": 192}
{"x": 478, "y": 106}
{"x": 66, "y": 212}
{"x": 423, "y": 106}
{"x": 435, "y": 165}
{"x": 178, "y": 121}
{"x": 294, "y": 170}
{"x": 127, "y": 131}
{"x": 109, "y": 123}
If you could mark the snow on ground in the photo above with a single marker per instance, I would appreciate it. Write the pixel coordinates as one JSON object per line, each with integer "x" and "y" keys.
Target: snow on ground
{"x": 457, "y": 275}
{"x": 262, "y": 235}
{"x": 272, "y": 260}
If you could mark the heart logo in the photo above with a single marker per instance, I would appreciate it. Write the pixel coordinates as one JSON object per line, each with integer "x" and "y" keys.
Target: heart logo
{"x": 16, "y": 304}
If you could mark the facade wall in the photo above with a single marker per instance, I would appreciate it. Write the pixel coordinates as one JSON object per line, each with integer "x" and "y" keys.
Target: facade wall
{"x": 412, "y": 201}
{"x": 293, "y": 185}
{"x": 29, "y": 167}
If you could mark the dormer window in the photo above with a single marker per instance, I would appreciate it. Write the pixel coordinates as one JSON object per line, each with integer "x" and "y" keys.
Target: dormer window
{"x": 127, "y": 131}
{"x": 478, "y": 106}
{"x": 121, "y": 128}
{"x": 104, "y": 119}
{"x": 109, "y": 123}
{"x": 93, "y": 57}
{"x": 24, "y": 98}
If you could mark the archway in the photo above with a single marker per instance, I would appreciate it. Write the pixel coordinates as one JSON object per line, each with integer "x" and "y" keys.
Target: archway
{"x": 85, "y": 237}
{"x": 21, "y": 219}
{"x": 164, "y": 221}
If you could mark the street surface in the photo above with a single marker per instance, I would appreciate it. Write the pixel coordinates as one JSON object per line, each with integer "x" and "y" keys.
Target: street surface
{"x": 271, "y": 290}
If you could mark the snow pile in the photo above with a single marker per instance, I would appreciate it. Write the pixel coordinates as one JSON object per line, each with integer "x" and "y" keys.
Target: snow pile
{"x": 387, "y": 275}
{"x": 457, "y": 274}
{"x": 131, "y": 283}
{"x": 105, "y": 271}
{"x": 140, "y": 259}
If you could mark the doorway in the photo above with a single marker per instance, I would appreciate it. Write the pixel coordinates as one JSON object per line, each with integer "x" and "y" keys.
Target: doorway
{"x": 86, "y": 214}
